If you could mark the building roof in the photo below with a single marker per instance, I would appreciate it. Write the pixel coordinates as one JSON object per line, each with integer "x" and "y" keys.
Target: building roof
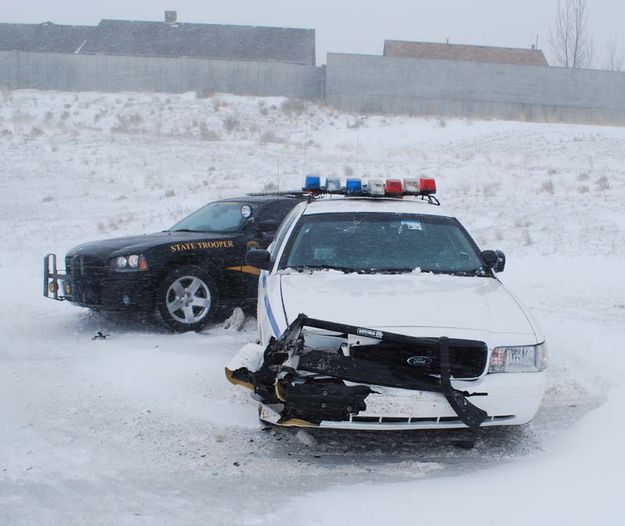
{"x": 123, "y": 37}
{"x": 436, "y": 51}
{"x": 43, "y": 37}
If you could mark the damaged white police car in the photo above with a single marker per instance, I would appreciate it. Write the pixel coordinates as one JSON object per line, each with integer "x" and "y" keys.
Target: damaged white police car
{"x": 377, "y": 310}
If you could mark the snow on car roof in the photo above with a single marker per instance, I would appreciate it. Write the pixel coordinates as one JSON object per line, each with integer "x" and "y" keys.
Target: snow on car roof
{"x": 406, "y": 205}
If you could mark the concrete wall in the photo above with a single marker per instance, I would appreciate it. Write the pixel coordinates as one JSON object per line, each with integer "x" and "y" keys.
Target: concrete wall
{"x": 373, "y": 84}
{"x": 120, "y": 73}
{"x": 8, "y": 69}
{"x": 358, "y": 83}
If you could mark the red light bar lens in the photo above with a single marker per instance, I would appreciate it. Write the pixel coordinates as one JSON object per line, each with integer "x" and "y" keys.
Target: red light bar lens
{"x": 427, "y": 185}
{"x": 394, "y": 187}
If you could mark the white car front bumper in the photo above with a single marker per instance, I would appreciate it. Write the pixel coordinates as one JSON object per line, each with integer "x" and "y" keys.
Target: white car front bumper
{"x": 512, "y": 399}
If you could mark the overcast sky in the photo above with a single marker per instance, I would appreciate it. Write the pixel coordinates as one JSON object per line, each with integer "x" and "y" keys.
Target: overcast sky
{"x": 350, "y": 26}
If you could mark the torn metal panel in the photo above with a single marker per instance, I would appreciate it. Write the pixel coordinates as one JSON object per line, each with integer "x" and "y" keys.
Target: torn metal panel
{"x": 305, "y": 383}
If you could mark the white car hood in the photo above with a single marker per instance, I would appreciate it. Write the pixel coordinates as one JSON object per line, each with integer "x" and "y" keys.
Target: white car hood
{"x": 415, "y": 304}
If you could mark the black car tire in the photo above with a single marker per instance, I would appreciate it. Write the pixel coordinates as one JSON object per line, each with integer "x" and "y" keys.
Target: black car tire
{"x": 187, "y": 299}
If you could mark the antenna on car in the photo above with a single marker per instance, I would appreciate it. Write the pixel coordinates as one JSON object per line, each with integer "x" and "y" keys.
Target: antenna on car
{"x": 305, "y": 148}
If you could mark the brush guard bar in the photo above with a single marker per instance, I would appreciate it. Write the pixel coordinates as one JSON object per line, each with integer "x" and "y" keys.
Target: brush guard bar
{"x": 53, "y": 279}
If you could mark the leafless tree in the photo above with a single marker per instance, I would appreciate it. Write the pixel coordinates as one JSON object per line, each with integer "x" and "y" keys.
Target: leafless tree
{"x": 615, "y": 59}
{"x": 569, "y": 37}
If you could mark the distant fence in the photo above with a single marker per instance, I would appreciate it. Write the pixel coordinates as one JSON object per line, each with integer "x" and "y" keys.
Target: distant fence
{"x": 374, "y": 84}
{"x": 356, "y": 83}
{"x": 56, "y": 71}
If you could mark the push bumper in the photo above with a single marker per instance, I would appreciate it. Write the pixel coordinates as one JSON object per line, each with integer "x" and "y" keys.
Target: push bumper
{"x": 55, "y": 282}
{"x": 99, "y": 290}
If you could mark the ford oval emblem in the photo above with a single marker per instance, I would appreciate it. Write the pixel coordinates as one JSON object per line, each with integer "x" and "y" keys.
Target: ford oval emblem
{"x": 419, "y": 361}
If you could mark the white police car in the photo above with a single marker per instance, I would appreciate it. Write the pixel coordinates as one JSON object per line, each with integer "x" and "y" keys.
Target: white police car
{"x": 377, "y": 310}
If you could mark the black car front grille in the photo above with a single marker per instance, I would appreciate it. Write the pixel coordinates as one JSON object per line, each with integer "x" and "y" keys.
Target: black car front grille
{"x": 86, "y": 274}
{"x": 466, "y": 361}
{"x": 84, "y": 266}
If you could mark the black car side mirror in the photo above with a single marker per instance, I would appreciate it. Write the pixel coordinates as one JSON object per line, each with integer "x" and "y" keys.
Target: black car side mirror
{"x": 259, "y": 259}
{"x": 494, "y": 259}
{"x": 266, "y": 226}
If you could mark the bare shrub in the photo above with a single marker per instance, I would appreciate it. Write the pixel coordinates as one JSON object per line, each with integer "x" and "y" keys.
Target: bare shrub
{"x": 207, "y": 134}
{"x": 36, "y": 132}
{"x": 547, "y": 187}
{"x": 603, "y": 183}
{"x": 47, "y": 199}
{"x": 231, "y": 123}
{"x": 294, "y": 107}
{"x": 583, "y": 189}
{"x": 115, "y": 224}
{"x": 491, "y": 189}
{"x": 170, "y": 193}
{"x": 128, "y": 123}
{"x": 218, "y": 104}
{"x": 152, "y": 183}
{"x": 354, "y": 124}
{"x": 584, "y": 176}
{"x": 204, "y": 93}
{"x": 527, "y": 238}
{"x": 552, "y": 171}
{"x": 271, "y": 137}
{"x": 442, "y": 123}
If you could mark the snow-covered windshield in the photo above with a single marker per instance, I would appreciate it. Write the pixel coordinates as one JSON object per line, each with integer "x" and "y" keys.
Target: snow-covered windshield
{"x": 382, "y": 242}
{"x": 222, "y": 216}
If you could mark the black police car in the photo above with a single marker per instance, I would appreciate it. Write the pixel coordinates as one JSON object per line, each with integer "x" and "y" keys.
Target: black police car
{"x": 189, "y": 273}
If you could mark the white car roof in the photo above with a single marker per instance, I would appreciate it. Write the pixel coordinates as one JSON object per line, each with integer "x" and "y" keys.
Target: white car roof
{"x": 407, "y": 205}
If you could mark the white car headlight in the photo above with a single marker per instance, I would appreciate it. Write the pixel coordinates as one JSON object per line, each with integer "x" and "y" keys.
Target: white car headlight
{"x": 128, "y": 263}
{"x": 518, "y": 359}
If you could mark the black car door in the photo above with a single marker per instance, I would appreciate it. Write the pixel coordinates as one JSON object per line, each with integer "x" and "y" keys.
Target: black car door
{"x": 267, "y": 219}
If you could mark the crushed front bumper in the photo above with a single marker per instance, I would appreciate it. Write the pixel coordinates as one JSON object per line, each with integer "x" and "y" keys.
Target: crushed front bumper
{"x": 342, "y": 385}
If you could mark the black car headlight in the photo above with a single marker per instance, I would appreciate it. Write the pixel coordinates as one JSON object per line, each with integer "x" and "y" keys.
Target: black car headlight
{"x": 519, "y": 359}
{"x": 133, "y": 262}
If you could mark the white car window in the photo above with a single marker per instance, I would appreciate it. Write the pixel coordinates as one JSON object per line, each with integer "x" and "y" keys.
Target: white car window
{"x": 283, "y": 230}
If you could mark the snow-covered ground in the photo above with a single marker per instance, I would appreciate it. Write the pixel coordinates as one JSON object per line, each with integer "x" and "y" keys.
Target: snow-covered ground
{"x": 142, "y": 428}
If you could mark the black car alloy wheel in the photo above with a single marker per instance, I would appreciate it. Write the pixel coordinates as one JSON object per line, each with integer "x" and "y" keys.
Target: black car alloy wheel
{"x": 187, "y": 299}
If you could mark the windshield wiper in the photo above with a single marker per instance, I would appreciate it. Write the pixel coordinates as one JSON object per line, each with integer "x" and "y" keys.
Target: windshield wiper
{"x": 188, "y": 230}
{"x": 390, "y": 270}
{"x": 312, "y": 268}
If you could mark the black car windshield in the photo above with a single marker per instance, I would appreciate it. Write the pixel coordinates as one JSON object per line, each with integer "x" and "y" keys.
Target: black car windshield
{"x": 223, "y": 216}
{"x": 382, "y": 243}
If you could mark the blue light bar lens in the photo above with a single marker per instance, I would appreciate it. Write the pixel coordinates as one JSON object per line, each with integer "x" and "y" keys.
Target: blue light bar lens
{"x": 354, "y": 186}
{"x": 313, "y": 182}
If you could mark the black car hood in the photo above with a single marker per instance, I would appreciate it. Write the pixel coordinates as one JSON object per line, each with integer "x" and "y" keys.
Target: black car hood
{"x": 140, "y": 244}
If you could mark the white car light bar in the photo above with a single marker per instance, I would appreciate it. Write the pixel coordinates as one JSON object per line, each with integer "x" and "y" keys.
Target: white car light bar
{"x": 424, "y": 186}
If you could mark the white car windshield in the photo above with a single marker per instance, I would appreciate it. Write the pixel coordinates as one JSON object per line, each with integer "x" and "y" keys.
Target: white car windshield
{"x": 382, "y": 243}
